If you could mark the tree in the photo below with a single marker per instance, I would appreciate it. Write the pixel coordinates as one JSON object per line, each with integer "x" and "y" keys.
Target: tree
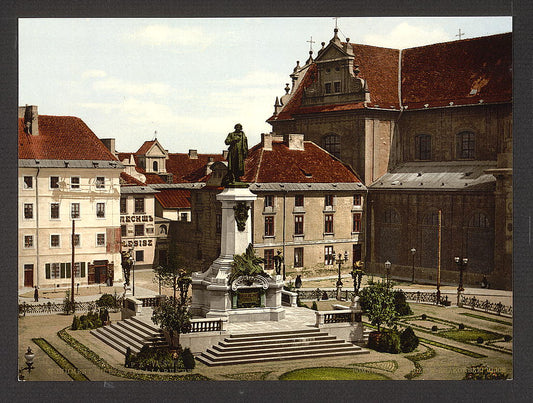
{"x": 173, "y": 316}
{"x": 380, "y": 305}
{"x": 173, "y": 274}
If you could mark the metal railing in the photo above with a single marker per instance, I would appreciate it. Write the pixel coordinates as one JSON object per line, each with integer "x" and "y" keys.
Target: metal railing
{"x": 487, "y": 306}
{"x": 54, "y": 307}
{"x": 426, "y": 297}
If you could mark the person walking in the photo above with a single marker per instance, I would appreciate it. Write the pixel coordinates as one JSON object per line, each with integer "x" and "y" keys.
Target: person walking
{"x": 36, "y": 294}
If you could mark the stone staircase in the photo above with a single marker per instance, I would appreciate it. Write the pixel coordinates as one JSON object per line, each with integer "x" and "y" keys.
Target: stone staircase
{"x": 133, "y": 333}
{"x": 276, "y": 346}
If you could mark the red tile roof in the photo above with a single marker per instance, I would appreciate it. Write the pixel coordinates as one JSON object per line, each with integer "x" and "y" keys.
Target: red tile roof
{"x": 435, "y": 75}
{"x": 127, "y": 180}
{"x": 448, "y": 72}
{"x": 174, "y": 198}
{"x": 281, "y": 165}
{"x": 145, "y": 147}
{"x": 61, "y": 138}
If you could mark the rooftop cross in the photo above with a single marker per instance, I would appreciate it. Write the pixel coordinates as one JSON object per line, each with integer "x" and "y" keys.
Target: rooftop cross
{"x": 336, "y": 18}
{"x": 460, "y": 34}
{"x": 311, "y": 41}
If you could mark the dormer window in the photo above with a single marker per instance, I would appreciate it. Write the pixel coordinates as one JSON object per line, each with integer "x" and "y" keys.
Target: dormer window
{"x": 155, "y": 166}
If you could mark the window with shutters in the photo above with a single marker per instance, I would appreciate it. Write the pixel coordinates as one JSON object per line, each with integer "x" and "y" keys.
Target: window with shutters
{"x": 328, "y": 224}
{"x": 53, "y": 270}
{"x": 298, "y": 225}
{"x": 75, "y": 210}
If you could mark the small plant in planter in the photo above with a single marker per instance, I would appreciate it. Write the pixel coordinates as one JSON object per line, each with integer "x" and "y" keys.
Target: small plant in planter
{"x": 424, "y": 316}
{"x": 461, "y": 326}
{"x": 434, "y": 328}
{"x": 480, "y": 340}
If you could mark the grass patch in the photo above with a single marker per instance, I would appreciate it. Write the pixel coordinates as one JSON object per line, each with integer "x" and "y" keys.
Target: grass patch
{"x": 249, "y": 376}
{"x": 108, "y": 368}
{"x": 69, "y": 368}
{"x": 473, "y": 315}
{"x": 469, "y": 335}
{"x": 452, "y": 348}
{"x": 331, "y": 374}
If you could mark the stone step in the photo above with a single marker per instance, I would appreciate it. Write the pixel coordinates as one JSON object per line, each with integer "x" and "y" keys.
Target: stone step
{"x": 111, "y": 340}
{"x": 134, "y": 328}
{"x": 145, "y": 323}
{"x": 266, "y": 342}
{"x": 267, "y": 336}
{"x": 336, "y": 344}
{"x": 126, "y": 338}
{"x": 278, "y": 333}
{"x": 213, "y": 361}
{"x": 129, "y": 332}
{"x": 221, "y": 346}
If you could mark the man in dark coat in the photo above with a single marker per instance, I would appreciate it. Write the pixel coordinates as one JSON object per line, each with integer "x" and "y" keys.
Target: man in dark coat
{"x": 36, "y": 294}
{"x": 237, "y": 153}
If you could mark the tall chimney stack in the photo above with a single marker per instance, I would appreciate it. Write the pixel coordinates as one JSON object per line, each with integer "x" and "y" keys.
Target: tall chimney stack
{"x": 31, "y": 119}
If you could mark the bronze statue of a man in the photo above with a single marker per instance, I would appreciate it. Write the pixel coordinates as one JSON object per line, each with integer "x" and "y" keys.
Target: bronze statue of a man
{"x": 237, "y": 153}
{"x": 127, "y": 263}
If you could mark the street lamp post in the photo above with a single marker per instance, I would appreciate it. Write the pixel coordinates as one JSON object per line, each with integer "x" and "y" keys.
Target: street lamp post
{"x": 29, "y": 356}
{"x": 340, "y": 260}
{"x": 387, "y": 267}
{"x": 413, "y": 251}
{"x": 461, "y": 265}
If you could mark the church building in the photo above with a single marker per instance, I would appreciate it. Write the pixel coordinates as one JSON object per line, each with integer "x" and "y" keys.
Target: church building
{"x": 429, "y": 131}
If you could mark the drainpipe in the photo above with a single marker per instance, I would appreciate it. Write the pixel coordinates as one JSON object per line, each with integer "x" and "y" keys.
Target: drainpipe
{"x": 37, "y": 225}
{"x": 284, "y": 204}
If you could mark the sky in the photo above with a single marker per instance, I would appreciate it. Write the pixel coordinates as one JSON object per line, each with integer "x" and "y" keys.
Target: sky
{"x": 189, "y": 81}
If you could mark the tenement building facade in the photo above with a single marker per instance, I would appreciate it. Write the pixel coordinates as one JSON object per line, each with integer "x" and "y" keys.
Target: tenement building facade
{"x": 68, "y": 181}
{"x": 429, "y": 131}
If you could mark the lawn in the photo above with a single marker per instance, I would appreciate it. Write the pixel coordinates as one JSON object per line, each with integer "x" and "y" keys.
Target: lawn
{"x": 467, "y": 335}
{"x": 331, "y": 374}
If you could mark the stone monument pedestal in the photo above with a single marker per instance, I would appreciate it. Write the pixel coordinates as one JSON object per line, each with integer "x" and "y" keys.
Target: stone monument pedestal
{"x": 247, "y": 298}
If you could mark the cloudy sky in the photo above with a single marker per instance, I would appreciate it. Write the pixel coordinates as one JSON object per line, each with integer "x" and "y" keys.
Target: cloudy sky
{"x": 191, "y": 80}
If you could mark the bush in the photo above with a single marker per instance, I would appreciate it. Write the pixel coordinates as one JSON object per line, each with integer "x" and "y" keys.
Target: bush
{"x": 424, "y": 316}
{"x": 106, "y": 301}
{"x": 401, "y": 305}
{"x": 75, "y": 323}
{"x": 408, "y": 340}
{"x": 434, "y": 328}
{"x": 90, "y": 321}
{"x": 480, "y": 340}
{"x": 507, "y": 338}
{"x": 461, "y": 326}
{"x": 387, "y": 341}
{"x": 188, "y": 359}
{"x": 482, "y": 372}
{"x": 314, "y": 306}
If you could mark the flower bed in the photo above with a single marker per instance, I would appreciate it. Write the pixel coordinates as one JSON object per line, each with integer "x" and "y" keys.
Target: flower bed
{"x": 70, "y": 369}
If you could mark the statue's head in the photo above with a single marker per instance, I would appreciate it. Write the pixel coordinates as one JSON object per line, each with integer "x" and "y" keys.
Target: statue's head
{"x": 238, "y": 127}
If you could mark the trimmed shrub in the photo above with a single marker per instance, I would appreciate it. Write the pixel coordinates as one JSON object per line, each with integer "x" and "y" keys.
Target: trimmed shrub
{"x": 461, "y": 326}
{"x": 408, "y": 340}
{"x": 106, "y": 301}
{"x": 401, "y": 305}
{"x": 314, "y": 306}
{"x": 480, "y": 340}
{"x": 127, "y": 358}
{"x": 434, "y": 328}
{"x": 188, "y": 359}
{"x": 387, "y": 341}
{"x": 424, "y": 316}
{"x": 75, "y": 323}
{"x": 507, "y": 337}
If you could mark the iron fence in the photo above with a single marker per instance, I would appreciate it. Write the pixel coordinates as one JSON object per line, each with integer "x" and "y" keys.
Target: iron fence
{"x": 54, "y": 307}
{"x": 337, "y": 317}
{"x": 487, "y": 306}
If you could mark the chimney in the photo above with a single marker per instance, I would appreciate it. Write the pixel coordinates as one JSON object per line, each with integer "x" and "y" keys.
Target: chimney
{"x": 225, "y": 154}
{"x": 110, "y": 145}
{"x": 295, "y": 141}
{"x": 266, "y": 141}
{"x": 193, "y": 154}
{"x": 31, "y": 119}
{"x": 210, "y": 162}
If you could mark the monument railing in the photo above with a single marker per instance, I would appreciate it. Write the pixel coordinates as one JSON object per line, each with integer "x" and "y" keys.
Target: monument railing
{"x": 490, "y": 307}
{"x": 337, "y": 316}
{"x": 206, "y": 325}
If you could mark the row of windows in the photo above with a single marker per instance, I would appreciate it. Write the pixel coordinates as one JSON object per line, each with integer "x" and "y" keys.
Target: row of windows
{"x": 138, "y": 205}
{"x": 477, "y": 220}
{"x": 465, "y": 146}
{"x": 55, "y": 240}
{"x": 299, "y": 224}
{"x": 329, "y": 257}
{"x": 75, "y": 182}
{"x": 329, "y": 200}
{"x": 62, "y": 270}
{"x": 331, "y": 88}
{"x": 75, "y": 211}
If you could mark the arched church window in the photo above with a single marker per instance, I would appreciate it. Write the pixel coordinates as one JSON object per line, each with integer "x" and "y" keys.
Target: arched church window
{"x": 466, "y": 145}
{"x": 391, "y": 216}
{"x": 479, "y": 220}
{"x": 423, "y": 147}
{"x": 156, "y": 166}
{"x": 332, "y": 144}
{"x": 431, "y": 218}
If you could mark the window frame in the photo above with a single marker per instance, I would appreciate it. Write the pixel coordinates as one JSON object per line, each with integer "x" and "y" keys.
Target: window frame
{"x": 269, "y": 201}
{"x": 332, "y": 144}
{"x": 328, "y": 88}
{"x": 103, "y": 244}
{"x": 100, "y": 210}
{"x": 72, "y": 217}
{"x": 299, "y": 200}
{"x": 31, "y": 244}
{"x": 298, "y": 225}
{"x": 58, "y": 241}
{"x": 269, "y": 226}
{"x": 471, "y": 145}
{"x": 357, "y": 222}
{"x": 136, "y": 227}
{"x": 141, "y": 254}
{"x": 329, "y": 200}
{"x": 100, "y": 184}
{"x": 299, "y": 251}
{"x": 28, "y": 208}
{"x": 52, "y": 205}
{"x": 123, "y": 205}
{"x": 328, "y": 224}
{"x": 337, "y": 87}
{"x": 423, "y": 149}
{"x": 56, "y": 183}
{"x": 135, "y": 209}
{"x": 75, "y": 186}
{"x": 25, "y": 185}
{"x": 268, "y": 255}
{"x": 123, "y": 230}
{"x": 329, "y": 258}
{"x": 76, "y": 244}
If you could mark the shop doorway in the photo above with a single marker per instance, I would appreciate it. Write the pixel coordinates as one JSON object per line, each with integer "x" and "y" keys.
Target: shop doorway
{"x": 28, "y": 275}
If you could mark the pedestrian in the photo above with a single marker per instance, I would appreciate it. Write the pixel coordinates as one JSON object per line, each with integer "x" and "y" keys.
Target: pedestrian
{"x": 36, "y": 294}
{"x": 298, "y": 282}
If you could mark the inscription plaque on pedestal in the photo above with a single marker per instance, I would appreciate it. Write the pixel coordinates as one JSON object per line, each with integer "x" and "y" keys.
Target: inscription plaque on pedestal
{"x": 250, "y": 298}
